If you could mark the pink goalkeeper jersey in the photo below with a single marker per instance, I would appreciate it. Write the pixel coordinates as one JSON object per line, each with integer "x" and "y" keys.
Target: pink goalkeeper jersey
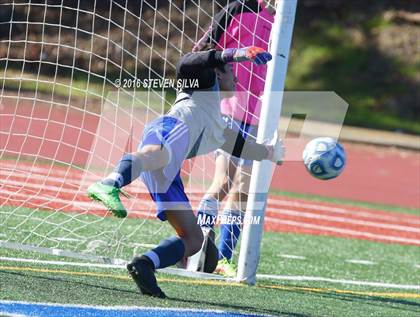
{"x": 247, "y": 28}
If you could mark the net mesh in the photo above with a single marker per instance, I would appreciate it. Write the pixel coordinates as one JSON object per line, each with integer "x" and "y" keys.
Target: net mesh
{"x": 72, "y": 104}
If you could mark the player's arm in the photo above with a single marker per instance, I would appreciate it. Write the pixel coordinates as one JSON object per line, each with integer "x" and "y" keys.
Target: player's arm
{"x": 200, "y": 65}
{"x": 195, "y": 61}
{"x": 248, "y": 149}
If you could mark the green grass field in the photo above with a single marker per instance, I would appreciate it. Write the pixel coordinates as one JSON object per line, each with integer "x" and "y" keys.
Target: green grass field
{"x": 282, "y": 254}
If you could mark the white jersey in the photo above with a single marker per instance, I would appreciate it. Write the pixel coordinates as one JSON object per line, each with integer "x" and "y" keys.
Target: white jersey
{"x": 200, "y": 111}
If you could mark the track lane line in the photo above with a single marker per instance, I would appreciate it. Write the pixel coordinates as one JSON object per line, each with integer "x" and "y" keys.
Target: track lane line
{"x": 311, "y": 215}
{"x": 350, "y": 233}
{"x": 80, "y": 196}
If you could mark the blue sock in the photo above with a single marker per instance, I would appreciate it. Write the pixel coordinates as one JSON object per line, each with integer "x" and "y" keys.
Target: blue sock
{"x": 229, "y": 233}
{"x": 127, "y": 170}
{"x": 167, "y": 253}
{"x": 207, "y": 212}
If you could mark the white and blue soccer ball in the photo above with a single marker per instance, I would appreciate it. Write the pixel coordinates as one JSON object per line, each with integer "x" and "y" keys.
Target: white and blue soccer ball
{"x": 324, "y": 158}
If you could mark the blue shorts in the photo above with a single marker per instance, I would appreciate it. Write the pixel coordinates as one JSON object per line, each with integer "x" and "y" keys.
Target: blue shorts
{"x": 247, "y": 130}
{"x": 165, "y": 185}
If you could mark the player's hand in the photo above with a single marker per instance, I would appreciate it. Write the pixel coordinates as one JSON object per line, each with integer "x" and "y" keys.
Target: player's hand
{"x": 255, "y": 54}
{"x": 276, "y": 149}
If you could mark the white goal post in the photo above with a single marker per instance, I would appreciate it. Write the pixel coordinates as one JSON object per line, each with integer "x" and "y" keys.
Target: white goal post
{"x": 281, "y": 39}
{"x": 73, "y": 100}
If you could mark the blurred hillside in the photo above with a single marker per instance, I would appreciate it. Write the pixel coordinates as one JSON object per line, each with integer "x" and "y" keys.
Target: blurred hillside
{"x": 366, "y": 51}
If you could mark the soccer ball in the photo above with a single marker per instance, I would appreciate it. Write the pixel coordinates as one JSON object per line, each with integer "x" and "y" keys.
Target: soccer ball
{"x": 324, "y": 158}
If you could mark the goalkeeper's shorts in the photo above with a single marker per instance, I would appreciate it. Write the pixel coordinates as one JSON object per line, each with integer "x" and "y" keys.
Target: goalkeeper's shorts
{"x": 165, "y": 185}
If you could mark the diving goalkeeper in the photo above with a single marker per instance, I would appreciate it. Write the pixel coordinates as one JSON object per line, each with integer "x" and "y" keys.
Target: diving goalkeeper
{"x": 192, "y": 127}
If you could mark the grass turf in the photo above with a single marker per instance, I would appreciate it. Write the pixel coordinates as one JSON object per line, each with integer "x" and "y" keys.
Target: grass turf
{"x": 290, "y": 301}
{"x": 323, "y": 256}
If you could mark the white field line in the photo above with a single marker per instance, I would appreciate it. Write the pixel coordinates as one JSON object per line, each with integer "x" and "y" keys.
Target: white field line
{"x": 121, "y": 265}
{"x": 260, "y": 276}
{"x": 59, "y": 252}
{"x": 417, "y": 266}
{"x": 65, "y": 239}
{"x": 300, "y": 214}
{"x": 293, "y": 257}
{"x": 337, "y": 281}
{"x": 118, "y": 308}
{"x": 62, "y": 263}
{"x": 339, "y": 210}
{"x": 363, "y": 262}
{"x": 344, "y": 231}
{"x": 6, "y": 314}
{"x": 378, "y": 224}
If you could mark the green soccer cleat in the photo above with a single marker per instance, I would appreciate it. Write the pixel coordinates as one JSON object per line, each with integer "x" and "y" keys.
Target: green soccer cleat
{"x": 109, "y": 196}
{"x": 226, "y": 268}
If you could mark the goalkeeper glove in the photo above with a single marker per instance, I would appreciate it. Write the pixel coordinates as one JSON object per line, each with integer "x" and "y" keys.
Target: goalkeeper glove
{"x": 276, "y": 149}
{"x": 255, "y": 54}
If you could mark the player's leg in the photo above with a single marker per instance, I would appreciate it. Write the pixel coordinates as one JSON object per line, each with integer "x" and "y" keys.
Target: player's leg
{"x": 185, "y": 224}
{"x": 169, "y": 251}
{"x": 232, "y": 219}
{"x": 173, "y": 206}
{"x": 149, "y": 158}
{"x": 225, "y": 169}
{"x": 234, "y": 209}
{"x": 220, "y": 186}
{"x": 131, "y": 165}
{"x": 207, "y": 213}
{"x": 166, "y": 189}
{"x": 153, "y": 153}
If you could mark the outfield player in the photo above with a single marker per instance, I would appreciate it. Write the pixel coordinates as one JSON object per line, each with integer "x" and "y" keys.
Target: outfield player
{"x": 192, "y": 127}
{"x": 239, "y": 24}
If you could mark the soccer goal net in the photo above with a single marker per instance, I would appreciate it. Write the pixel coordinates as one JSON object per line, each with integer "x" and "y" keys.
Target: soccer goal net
{"x": 78, "y": 82}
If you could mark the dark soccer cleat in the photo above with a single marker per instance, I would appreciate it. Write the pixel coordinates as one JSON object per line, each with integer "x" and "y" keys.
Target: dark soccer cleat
{"x": 143, "y": 275}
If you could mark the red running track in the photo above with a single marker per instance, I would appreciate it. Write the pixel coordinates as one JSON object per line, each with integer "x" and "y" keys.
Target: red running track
{"x": 373, "y": 174}
{"x": 25, "y": 185}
